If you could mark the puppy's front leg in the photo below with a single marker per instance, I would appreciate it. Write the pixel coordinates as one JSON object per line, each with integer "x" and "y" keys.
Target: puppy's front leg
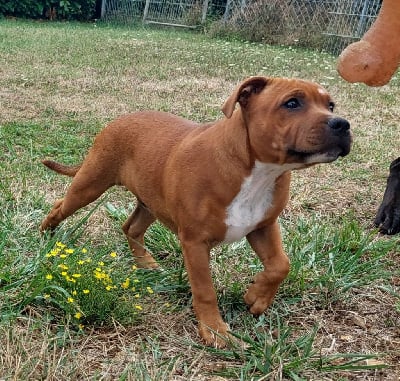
{"x": 267, "y": 244}
{"x": 211, "y": 325}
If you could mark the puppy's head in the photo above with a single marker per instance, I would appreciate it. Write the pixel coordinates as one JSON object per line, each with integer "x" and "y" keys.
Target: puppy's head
{"x": 290, "y": 121}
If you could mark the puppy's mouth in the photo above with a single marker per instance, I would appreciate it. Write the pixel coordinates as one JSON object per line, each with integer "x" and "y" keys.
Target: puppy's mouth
{"x": 320, "y": 156}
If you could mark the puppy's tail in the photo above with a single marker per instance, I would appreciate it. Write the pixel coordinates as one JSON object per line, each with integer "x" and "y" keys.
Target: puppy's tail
{"x": 62, "y": 168}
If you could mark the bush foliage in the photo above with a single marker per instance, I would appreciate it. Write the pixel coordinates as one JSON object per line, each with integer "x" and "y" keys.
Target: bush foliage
{"x": 50, "y": 9}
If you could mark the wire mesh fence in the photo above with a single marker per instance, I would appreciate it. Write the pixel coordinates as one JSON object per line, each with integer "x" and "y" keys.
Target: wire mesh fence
{"x": 348, "y": 21}
{"x": 324, "y": 24}
{"x": 122, "y": 11}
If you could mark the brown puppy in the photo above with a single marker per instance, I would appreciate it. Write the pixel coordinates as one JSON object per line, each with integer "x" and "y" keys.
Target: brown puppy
{"x": 213, "y": 183}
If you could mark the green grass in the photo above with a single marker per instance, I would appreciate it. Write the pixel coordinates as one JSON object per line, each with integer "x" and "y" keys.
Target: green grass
{"x": 60, "y": 83}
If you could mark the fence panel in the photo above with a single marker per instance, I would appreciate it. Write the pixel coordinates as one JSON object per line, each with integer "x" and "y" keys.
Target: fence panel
{"x": 348, "y": 21}
{"x": 337, "y": 22}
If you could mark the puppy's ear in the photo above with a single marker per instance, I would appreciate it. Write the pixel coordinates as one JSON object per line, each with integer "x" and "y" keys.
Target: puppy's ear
{"x": 242, "y": 94}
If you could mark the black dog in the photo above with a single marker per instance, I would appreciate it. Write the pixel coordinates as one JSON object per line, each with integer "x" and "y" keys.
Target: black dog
{"x": 388, "y": 216}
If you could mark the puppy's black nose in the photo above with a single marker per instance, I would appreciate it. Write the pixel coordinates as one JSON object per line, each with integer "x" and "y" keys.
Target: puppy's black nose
{"x": 339, "y": 125}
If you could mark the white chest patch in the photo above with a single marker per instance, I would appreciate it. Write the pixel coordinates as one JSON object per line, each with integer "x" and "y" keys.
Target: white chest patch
{"x": 255, "y": 197}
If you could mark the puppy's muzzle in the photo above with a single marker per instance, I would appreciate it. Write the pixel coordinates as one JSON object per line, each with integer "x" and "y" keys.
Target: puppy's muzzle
{"x": 340, "y": 130}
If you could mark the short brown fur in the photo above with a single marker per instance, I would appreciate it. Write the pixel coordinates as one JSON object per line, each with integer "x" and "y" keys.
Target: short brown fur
{"x": 187, "y": 175}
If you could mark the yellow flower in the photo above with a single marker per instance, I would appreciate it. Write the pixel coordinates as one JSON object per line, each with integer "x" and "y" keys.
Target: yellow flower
{"x": 138, "y": 307}
{"x": 81, "y": 326}
{"x": 80, "y": 262}
{"x": 86, "y": 291}
{"x": 78, "y": 315}
{"x": 108, "y": 288}
{"x": 63, "y": 266}
{"x": 69, "y": 251}
{"x": 149, "y": 290}
{"x": 63, "y": 256}
{"x": 126, "y": 283}
{"x": 46, "y": 296}
{"x": 137, "y": 296}
{"x": 76, "y": 275}
{"x": 53, "y": 253}
{"x": 70, "y": 300}
{"x": 74, "y": 293}
{"x": 84, "y": 251}
{"x": 64, "y": 273}
{"x": 167, "y": 304}
{"x": 113, "y": 254}
{"x": 60, "y": 245}
{"x": 134, "y": 267}
{"x": 101, "y": 263}
{"x": 49, "y": 277}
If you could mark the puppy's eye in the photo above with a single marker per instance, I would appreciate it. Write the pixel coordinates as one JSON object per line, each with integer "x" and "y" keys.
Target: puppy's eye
{"x": 331, "y": 106}
{"x": 292, "y": 103}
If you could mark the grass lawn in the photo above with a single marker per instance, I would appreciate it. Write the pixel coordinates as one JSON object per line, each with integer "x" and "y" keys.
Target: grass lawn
{"x": 74, "y": 306}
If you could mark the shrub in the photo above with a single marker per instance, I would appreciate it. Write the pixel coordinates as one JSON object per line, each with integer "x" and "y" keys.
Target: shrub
{"x": 51, "y": 9}
{"x": 274, "y": 22}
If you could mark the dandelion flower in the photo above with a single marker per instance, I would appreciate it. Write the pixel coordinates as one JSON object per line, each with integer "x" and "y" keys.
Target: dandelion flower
{"x": 84, "y": 251}
{"x": 86, "y": 291}
{"x": 70, "y": 300}
{"x": 134, "y": 267}
{"x": 80, "y": 262}
{"x": 49, "y": 277}
{"x": 60, "y": 245}
{"x": 108, "y": 287}
{"x": 138, "y": 307}
{"x": 46, "y": 296}
{"x": 101, "y": 263}
{"x": 64, "y": 273}
{"x": 76, "y": 275}
{"x": 63, "y": 256}
{"x": 69, "y": 251}
{"x": 74, "y": 293}
{"x": 78, "y": 315}
{"x": 113, "y": 254}
{"x": 81, "y": 326}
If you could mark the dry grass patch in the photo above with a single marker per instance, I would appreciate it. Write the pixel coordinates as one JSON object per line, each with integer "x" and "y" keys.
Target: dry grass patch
{"x": 60, "y": 83}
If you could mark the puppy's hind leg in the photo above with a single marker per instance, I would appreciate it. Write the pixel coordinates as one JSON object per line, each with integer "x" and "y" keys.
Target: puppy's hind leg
{"x": 89, "y": 183}
{"x": 134, "y": 229}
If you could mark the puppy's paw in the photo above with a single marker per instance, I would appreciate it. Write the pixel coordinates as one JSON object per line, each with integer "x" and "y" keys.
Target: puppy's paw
{"x": 53, "y": 218}
{"x": 260, "y": 296}
{"x": 388, "y": 216}
{"x": 215, "y": 334}
{"x": 146, "y": 261}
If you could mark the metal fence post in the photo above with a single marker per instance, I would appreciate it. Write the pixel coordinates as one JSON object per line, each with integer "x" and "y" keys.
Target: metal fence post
{"x": 205, "y": 8}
